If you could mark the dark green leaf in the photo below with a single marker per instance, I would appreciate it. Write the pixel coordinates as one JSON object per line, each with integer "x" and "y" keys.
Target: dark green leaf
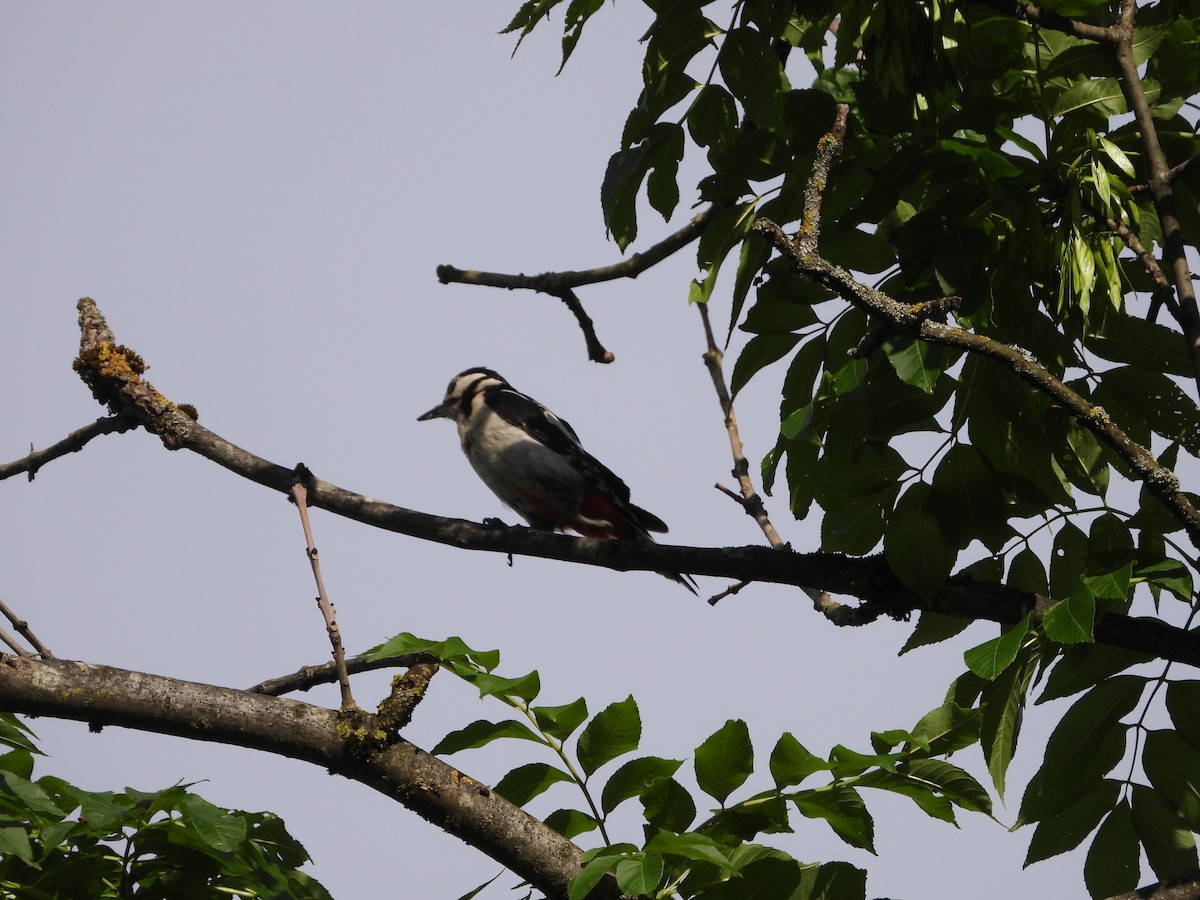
{"x": 632, "y": 777}
{"x": 639, "y": 875}
{"x": 482, "y": 732}
{"x": 1071, "y": 621}
{"x": 570, "y": 822}
{"x": 754, "y": 75}
{"x": 615, "y": 730}
{"x": 524, "y": 783}
{"x": 725, "y": 760}
{"x": 582, "y": 884}
{"x": 667, "y": 805}
{"x": 713, "y": 117}
{"x": 761, "y": 351}
{"x": 690, "y": 846}
{"x": 527, "y": 687}
{"x": 1147, "y": 345}
{"x": 791, "y": 762}
{"x": 843, "y": 809}
{"x": 970, "y": 501}
{"x": 1067, "y": 562}
{"x": 935, "y": 805}
{"x": 913, "y": 544}
{"x": 1183, "y": 701}
{"x": 1169, "y": 843}
{"x": 216, "y": 827}
{"x": 1173, "y": 767}
{"x": 560, "y": 722}
{"x": 1003, "y": 701}
{"x": 933, "y": 628}
{"x": 989, "y": 659}
{"x": 1083, "y": 748}
{"x": 1112, "y": 861}
{"x": 763, "y": 879}
{"x": 1028, "y": 574}
{"x": 1086, "y": 665}
{"x": 1066, "y": 830}
{"x": 951, "y": 781}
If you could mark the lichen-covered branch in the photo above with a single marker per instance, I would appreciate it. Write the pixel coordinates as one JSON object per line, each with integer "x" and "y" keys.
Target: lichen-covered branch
{"x": 922, "y": 320}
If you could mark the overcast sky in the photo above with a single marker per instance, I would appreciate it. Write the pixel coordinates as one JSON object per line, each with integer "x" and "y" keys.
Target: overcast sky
{"x": 257, "y": 195}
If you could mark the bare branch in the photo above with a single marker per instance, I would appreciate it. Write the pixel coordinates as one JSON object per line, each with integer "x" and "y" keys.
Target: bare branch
{"x": 13, "y": 644}
{"x": 562, "y": 284}
{"x": 435, "y": 791}
{"x": 72, "y": 443}
{"x": 867, "y": 578}
{"x": 25, "y": 631}
{"x": 299, "y": 496}
{"x": 1164, "y": 294}
{"x": 1035, "y": 15}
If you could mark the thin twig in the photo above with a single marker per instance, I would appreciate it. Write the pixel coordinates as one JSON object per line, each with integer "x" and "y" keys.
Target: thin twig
{"x": 1164, "y": 294}
{"x": 1173, "y": 174}
{"x": 25, "y": 631}
{"x": 13, "y": 644}
{"x": 299, "y": 494}
{"x": 562, "y": 284}
{"x": 72, "y": 443}
{"x": 749, "y": 500}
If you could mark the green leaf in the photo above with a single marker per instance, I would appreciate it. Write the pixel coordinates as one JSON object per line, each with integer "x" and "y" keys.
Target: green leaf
{"x": 725, "y": 760}
{"x": 759, "y": 352}
{"x": 618, "y": 193}
{"x": 839, "y": 881}
{"x": 1112, "y": 861}
{"x": 15, "y": 842}
{"x": 939, "y": 807}
{"x": 526, "y": 688}
{"x": 640, "y": 875}
{"x": 713, "y": 116}
{"x": 948, "y": 728}
{"x": 1173, "y": 767}
{"x": 913, "y": 544}
{"x": 1003, "y": 701}
{"x": 632, "y": 778}
{"x": 524, "y": 783}
{"x": 932, "y": 628}
{"x": 916, "y": 362}
{"x": 1071, "y": 621}
{"x": 1085, "y": 745}
{"x": 970, "y": 501}
{"x": 791, "y": 762}
{"x": 615, "y": 730}
{"x": 668, "y": 805}
{"x": 589, "y": 877}
{"x": 570, "y": 822}
{"x": 1066, "y": 830}
{"x": 695, "y": 847}
{"x": 766, "y": 878}
{"x": 1169, "y": 843}
{"x": 1147, "y": 345}
{"x": 950, "y": 781}
{"x": 843, "y": 809}
{"x": 1136, "y": 397}
{"x": 482, "y": 732}
{"x": 1183, "y": 699}
{"x": 754, "y": 75}
{"x": 989, "y": 659}
{"x": 1067, "y": 561}
{"x": 1085, "y": 665}
{"x": 215, "y": 826}
{"x": 1026, "y": 573}
{"x": 560, "y": 722}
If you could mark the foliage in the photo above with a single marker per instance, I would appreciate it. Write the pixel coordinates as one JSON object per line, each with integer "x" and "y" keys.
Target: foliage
{"x": 716, "y": 856}
{"x": 991, "y": 159}
{"x": 58, "y": 840}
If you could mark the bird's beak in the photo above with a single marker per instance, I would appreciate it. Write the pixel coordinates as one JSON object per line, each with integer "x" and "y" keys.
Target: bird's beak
{"x": 441, "y": 411}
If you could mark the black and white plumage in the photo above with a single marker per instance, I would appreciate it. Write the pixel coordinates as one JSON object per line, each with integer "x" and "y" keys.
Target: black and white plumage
{"x": 533, "y": 461}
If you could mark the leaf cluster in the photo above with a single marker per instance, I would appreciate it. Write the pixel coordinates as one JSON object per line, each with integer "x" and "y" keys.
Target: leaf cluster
{"x": 58, "y": 840}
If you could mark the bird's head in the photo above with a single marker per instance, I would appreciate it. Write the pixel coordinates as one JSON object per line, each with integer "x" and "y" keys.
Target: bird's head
{"x": 462, "y": 389}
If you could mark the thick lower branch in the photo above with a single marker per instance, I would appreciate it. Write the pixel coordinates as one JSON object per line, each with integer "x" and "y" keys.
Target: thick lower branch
{"x": 437, "y": 792}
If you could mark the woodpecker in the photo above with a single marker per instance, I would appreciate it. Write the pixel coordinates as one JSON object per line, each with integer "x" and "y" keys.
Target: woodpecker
{"x": 533, "y": 461}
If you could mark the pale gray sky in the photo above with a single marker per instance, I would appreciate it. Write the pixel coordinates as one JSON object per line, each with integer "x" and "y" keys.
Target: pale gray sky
{"x": 257, "y": 195}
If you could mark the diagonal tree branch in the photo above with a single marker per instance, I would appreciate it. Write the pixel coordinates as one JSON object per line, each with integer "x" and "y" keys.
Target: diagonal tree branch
{"x": 102, "y": 695}
{"x": 921, "y": 319}
{"x": 116, "y": 381}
